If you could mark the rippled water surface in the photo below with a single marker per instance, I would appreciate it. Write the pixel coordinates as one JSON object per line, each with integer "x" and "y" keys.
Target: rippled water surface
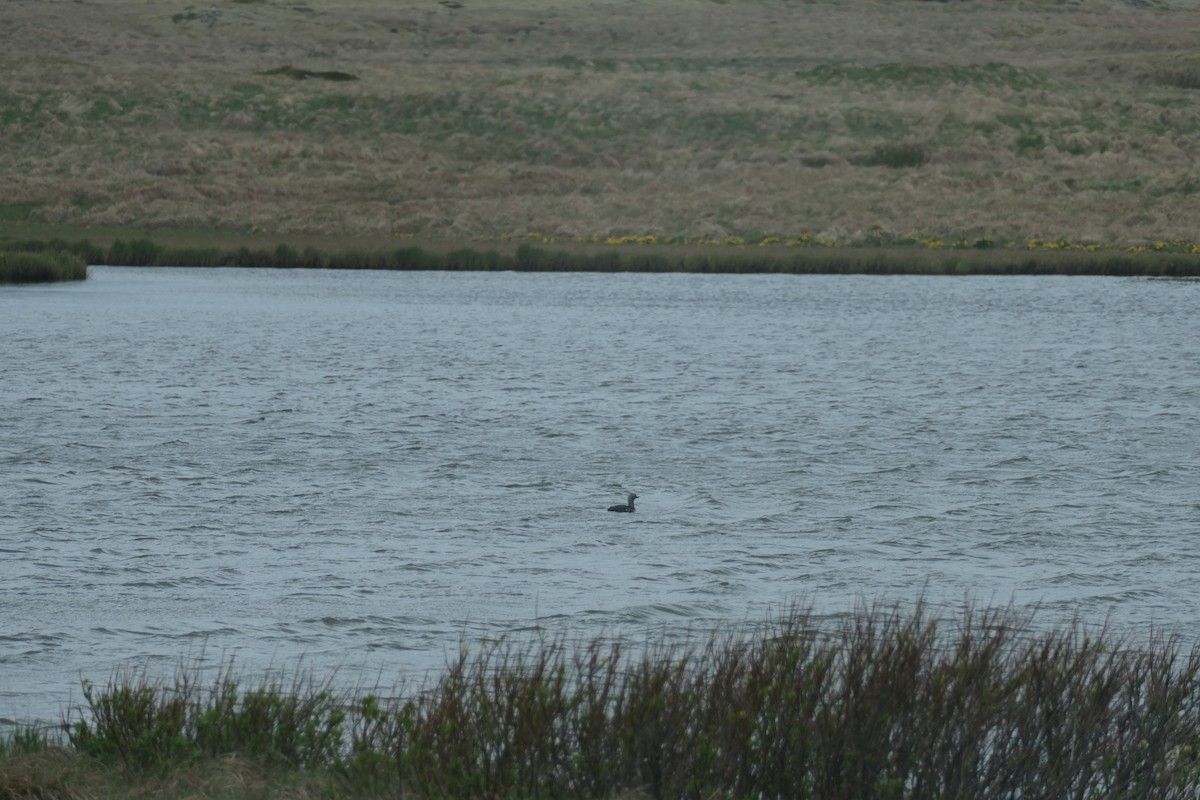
{"x": 365, "y": 469}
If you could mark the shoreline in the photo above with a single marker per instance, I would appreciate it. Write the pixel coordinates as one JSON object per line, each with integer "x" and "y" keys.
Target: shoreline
{"x": 166, "y": 247}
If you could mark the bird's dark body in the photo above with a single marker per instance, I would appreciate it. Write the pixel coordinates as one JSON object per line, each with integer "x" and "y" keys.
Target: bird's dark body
{"x": 628, "y": 509}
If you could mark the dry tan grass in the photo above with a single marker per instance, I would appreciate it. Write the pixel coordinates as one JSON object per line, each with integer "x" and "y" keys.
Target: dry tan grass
{"x": 689, "y": 118}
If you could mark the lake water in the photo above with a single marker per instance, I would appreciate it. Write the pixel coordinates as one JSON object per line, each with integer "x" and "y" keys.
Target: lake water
{"x": 310, "y": 469}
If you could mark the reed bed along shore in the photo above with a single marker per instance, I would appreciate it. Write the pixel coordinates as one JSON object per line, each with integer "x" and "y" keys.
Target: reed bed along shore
{"x": 41, "y": 266}
{"x": 885, "y": 703}
{"x": 765, "y": 258}
{"x": 857, "y": 120}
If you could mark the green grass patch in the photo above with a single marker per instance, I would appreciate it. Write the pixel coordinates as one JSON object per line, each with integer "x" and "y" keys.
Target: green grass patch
{"x": 1020, "y": 120}
{"x": 17, "y": 111}
{"x": 577, "y": 64}
{"x": 16, "y": 212}
{"x": 918, "y": 76}
{"x": 1028, "y": 143}
{"x": 898, "y": 155}
{"x": 874, "y": 123}
{"x": 1178, "y": 78}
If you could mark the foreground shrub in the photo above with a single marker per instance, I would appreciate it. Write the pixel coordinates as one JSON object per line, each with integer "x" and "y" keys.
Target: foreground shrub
{"x": 886, "y": 703}
{"x": 146, "y": 724}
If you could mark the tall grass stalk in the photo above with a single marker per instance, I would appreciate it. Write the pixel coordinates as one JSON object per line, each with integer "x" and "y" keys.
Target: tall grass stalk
{"x": 24, "y": 740}
{"x": 887, "y": 702}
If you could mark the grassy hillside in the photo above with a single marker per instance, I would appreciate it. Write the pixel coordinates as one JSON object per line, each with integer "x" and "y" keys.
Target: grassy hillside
{"x": 851, "y": 121}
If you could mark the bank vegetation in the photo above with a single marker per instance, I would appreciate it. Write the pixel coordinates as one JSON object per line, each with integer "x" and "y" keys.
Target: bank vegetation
{"x": 42, "y": 265}
{"x": 768, "y": 258}
{"x": 879, "y": 704}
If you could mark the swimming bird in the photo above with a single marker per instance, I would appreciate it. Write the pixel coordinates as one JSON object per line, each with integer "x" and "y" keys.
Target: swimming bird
{"x": 628, "y": 508}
